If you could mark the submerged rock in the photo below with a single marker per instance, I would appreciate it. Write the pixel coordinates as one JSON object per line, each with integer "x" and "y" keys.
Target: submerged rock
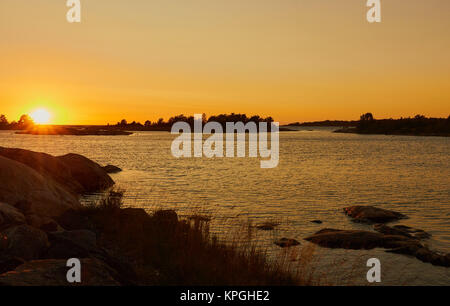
{"x": 111, "y": 169}
{"x": 286, "y": 242}
{"x": 370, "y": 214}
{"x": 351, "y": 239}
{"x": 317, "y": 221}
{"x": 402, "y": 230}
{"x": 267, "y": 226}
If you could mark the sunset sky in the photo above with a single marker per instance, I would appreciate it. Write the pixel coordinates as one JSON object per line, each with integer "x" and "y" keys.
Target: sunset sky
{"x": 296, "y": 60}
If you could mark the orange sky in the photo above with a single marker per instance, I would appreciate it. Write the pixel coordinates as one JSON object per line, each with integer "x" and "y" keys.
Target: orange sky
{"x": 296, "y": 60}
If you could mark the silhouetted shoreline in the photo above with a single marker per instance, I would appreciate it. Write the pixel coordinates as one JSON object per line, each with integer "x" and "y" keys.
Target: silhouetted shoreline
{"x": 417, "y": 126}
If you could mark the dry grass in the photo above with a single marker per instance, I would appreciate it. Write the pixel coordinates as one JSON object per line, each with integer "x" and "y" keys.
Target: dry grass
{"x": 167, "y": 251}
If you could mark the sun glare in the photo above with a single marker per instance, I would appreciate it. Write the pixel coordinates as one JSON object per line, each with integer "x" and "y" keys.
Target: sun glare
{"x": 40, "y": 116}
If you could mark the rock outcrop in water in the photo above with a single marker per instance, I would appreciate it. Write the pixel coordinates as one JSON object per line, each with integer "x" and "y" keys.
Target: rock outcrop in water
{"x": 111, "y": 169}
{"x": 286, "y": 242}
{"x": 358, "y": 239}
{"x": 370, "y": 214}
{"x": 90, "y": 175}
{"x": 400, "y": 239}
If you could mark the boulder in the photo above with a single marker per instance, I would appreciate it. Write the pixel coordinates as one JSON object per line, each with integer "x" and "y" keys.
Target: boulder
{"x": 53, "y": 272}
{"x": 23, "y": 241}
{"x": 83, "y": 244}
{"x": 111, "y": 169}
{"x": 370, "y": 214}
{"x": 90, "y": 175}
{"x": 72, "y": 244}
{"x": 286, "y": 242}
{"x": 44, "y": 196}
{"x": 74, "y": 220}
{"x": 44, "y": 223}
{"x": 46, "y": 165}
{"x": 124, "y": 231}
{"x": 10, "y": 216}
{"x": 76, "y": 173}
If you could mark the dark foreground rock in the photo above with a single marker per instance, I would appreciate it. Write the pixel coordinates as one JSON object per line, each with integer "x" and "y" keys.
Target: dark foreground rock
{"x": 111, "y": 169}
{"x": 370, "y": 214}
{"x": 52, "y": 272}
{"x": 10, "y": 216}
{"x": 23, "y": 241}
{"x": 357, "y": 240}
{"x": 9, "y": 263}
{"x": 44, "y": 223}
{"x": 69, "y": 244}
{"x": 286, "y": 242}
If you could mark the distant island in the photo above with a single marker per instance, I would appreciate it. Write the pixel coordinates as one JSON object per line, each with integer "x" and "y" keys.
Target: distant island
{"x": 417, "y": 126}
{"x": 75, "y": 131}
{"x": 341, "y": 123}
{"x": 162, "y": 125}
{"x": 25, "y": 125}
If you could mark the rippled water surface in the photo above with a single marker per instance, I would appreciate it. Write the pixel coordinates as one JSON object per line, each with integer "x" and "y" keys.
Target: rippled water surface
{"x": 319, "y": 173}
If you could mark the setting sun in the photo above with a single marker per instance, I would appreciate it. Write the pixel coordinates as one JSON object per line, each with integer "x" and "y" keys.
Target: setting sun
{"x": 40, "y": 116}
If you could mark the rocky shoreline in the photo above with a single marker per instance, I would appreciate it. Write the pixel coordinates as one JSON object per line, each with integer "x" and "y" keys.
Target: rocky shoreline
{"x": 36, "y": 190}
{"x": 43, "y": 225}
